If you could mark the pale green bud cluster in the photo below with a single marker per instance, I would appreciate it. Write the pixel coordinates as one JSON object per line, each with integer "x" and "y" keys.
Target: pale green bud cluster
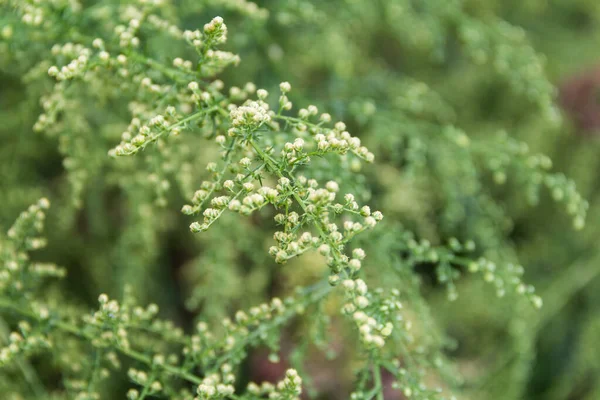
{"x": 23, "y": 346}
{"x": 290, "y": 388}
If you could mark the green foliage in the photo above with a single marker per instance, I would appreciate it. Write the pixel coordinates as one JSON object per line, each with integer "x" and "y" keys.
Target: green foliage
{"x": 125, "y": 112}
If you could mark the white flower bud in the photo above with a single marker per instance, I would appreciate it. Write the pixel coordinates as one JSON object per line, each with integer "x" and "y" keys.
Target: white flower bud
{"x": 354, "y": 264}
{"x": 361, "y": 302}
{"x": 358, "y": 253}
{"x": 332, "y": 186}
{"x": 349, "y": 284}
{"x": 285, "y": 87}
{"x": 387, "y": 329}
{"x": 262, "y": 94}
{"x": 98, "y": 43}
{"x": 340, "y": 126}
{"x": 324, "y": 249}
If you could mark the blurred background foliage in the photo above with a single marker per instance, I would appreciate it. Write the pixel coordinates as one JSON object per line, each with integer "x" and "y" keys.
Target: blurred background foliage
{"x": 405, "y": 76}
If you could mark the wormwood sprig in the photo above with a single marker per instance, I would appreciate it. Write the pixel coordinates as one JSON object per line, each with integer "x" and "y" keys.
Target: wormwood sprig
{"x": 124, "y": 79}
{"x": 313, "y": 203}
{"x": 109, "y": 329}
{"x": 455, "y": 256}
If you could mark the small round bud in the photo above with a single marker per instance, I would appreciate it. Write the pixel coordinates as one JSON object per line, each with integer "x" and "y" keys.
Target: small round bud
{"x": 537, "y": 301}
{"x": 361, "y": 302}
{"x": 262, "y": 94}
{"x": 332, "y": 186}
{"x": 285, "y": 87}
{"x": 44, "y": 203}
{"x": 98, "y": 43}
{"x": 334, "y": 279}
{"x": 324, "y": 249}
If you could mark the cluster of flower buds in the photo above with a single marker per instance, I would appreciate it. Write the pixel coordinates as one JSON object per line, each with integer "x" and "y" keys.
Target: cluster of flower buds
{"x": 564, "y": 190}
{"x": 138, "y": 136}
{"x": 507, "y": 277}
{"x": 322, "y": 140}
{"x": 23, "y": 344}
{"x": 112, "y": 321}
{"x": 213, "y": 61}
{"x": 372, "y": 314}
{"x": 198, "y": 96}
{"x": 214, "y": 387}
{"x": 318, "y": 201}
{"x": 127, "y": 34}
{"x": 249, "y": 116}
{"x": 216, "y": 30}
{"x": 77, "y": 66}
{"x": 284, "y": 101}
{"x": 33, "y": 13}
{"x": 290, "y": 388}
{"x": 17, "y": 269}
{"x": 205, "y": 348}
{"x": 217, "y": 60}
{"x": 194, "y": 38}
{"x": 142, "y": 379}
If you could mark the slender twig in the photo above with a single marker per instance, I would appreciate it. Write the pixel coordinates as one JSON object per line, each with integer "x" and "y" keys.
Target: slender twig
{"x": 377, "y": 381}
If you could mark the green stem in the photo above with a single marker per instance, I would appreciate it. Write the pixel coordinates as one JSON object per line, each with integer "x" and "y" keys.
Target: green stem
{"x": 95, "y": 371}
{"x": 146, "y": 390}
{"x": 378, "y": 383}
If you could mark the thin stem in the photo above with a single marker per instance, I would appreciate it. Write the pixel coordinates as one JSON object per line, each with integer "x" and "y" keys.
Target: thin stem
{"x": 227, "y": 163}
{"x": 378, "y": 383}
{"x": 146, "y": 389}
{"x": 95, "y": 372}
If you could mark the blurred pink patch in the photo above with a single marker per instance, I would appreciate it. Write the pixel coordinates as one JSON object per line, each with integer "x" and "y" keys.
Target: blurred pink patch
{"x": 389, "y": 393}
{"x": 263, "y": 370}
{"x": 580, "y": 98}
